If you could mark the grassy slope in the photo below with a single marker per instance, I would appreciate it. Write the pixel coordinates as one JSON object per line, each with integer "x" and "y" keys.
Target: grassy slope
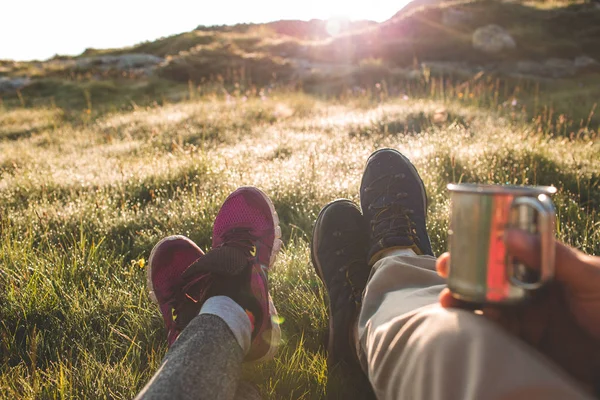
{"x": 563, "y": 30}
{"x": 248, "y": 57}
{"x": 414, "y": 35}
{"x": 83, "y": 200}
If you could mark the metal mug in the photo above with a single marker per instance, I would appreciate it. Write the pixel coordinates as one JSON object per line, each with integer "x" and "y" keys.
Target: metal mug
{"x": 480, "y": 268}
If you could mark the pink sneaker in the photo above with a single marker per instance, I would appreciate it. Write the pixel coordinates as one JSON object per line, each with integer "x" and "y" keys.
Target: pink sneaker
{"x": 168, "y": 260}
{"x": 246, "y": 239}
{"x": 248, "y": 221}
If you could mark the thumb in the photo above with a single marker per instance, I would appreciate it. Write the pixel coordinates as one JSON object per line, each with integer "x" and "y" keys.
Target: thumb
{"x": 573, "y": 268}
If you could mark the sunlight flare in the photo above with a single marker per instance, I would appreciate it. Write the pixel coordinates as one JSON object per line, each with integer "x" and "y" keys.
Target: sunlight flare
{"x": 333, "y": 26}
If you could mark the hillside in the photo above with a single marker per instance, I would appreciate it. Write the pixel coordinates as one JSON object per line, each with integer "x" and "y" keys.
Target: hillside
{"x": 286, "y": 49}
{"x": 554, "y": 47}
{"x": 444, "y": 32}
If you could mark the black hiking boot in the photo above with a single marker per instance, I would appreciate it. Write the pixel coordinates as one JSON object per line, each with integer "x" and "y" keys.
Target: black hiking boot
{"x": 339, "y": 255}
{"x": 394, "y": 202}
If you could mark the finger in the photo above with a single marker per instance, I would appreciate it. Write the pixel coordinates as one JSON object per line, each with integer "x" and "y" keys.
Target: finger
{"x": 572, "y": 267}
{"x": 447, "y": 300}
{"x": 524, "y": 246}
{"x": 503, "y": 317}
{"x": 441, "y": 265}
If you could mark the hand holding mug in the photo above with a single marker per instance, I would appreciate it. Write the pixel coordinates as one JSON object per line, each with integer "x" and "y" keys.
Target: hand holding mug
{"x": 562, "y": 321}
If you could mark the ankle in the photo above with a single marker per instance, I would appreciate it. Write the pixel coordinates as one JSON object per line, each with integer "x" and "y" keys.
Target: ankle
{"x": 395, "y": 251}
{"x": 234, "y": 315}
{"x": 354, "y": 339}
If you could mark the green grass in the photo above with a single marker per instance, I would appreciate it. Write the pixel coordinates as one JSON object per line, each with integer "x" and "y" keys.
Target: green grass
{"x": 84, "y": 197}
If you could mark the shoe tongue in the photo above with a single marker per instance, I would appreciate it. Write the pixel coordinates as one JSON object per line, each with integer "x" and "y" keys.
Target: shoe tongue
{"x": 224, "y": 260}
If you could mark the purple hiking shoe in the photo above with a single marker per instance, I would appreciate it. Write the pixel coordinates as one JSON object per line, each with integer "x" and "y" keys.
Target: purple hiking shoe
{"x": 248, "y": 221}
{"x": 168, "y": 260}
{"x": 246, "y": 239}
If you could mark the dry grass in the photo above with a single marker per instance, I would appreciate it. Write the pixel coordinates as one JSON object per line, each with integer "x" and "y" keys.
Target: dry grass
{"x": 82, "y": 202}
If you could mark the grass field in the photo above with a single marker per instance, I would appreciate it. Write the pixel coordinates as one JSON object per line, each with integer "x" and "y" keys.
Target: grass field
{"x": 84, "y": 195}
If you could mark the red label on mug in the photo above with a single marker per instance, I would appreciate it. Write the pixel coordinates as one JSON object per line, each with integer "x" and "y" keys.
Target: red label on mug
{"x": 497, "y": 281}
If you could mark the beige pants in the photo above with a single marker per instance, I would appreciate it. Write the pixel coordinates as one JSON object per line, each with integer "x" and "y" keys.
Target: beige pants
{"x": 411, "y": 348}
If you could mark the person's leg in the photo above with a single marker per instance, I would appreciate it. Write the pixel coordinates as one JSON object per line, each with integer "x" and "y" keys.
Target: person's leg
{"x": 412, "y": 348}
{"x": 205, "y": 361}
{"x": 409, "y": 346}
{"x": 217, "y": 306}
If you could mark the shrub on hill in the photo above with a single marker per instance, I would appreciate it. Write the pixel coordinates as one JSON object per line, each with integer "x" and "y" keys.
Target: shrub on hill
{"x": 226, "y": 63}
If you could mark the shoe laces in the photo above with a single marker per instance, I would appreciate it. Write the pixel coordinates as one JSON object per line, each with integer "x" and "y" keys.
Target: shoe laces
{"x": 242, "y": 239}
{"x": 181, "y": 302}
{"x": 196, "y": 290}
{"x": 352, "y": 267}
{"x": 393, "y": 218}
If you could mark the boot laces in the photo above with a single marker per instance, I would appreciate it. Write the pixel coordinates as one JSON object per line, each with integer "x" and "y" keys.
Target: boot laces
{"x": 393, "y": 218}
{"x": 196, "y": 290}
{"x": 352, "y": 267}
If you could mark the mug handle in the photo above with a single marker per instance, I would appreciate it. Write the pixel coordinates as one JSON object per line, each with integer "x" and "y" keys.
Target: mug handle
{"x": 546, "y": 217}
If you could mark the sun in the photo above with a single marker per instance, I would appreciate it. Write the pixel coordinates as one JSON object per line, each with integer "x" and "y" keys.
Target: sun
{"x": 338, "y": 13}
{"x": 333, "y": 26}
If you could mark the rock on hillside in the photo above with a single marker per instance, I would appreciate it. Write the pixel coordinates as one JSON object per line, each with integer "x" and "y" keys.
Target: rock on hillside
{"x": 12, "y": 84}
{"x": 22, "y": 74}
{"x": 120, "y": 62}
{"x": 492, "y": 39}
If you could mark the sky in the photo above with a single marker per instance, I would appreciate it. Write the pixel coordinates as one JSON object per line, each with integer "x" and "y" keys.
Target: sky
{"x": 39, "y": 29}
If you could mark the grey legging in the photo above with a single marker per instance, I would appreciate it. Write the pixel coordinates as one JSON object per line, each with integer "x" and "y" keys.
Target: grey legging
{"x": 203, "y": 363}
